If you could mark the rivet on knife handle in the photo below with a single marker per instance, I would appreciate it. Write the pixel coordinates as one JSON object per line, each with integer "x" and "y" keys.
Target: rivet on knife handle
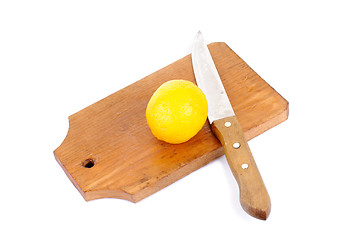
{"x": 254, "y": 197}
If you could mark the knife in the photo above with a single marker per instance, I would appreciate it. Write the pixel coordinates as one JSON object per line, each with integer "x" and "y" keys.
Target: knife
{"x": 254, "y": 197}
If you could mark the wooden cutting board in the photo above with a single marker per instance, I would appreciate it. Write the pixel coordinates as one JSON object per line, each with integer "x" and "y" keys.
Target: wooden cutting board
{"x": 109, "y": 151}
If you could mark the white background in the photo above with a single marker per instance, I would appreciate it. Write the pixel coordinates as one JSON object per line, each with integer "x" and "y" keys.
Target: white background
{"x": 57, "y": 57}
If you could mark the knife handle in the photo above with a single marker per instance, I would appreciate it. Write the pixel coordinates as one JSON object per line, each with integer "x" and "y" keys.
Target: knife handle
{"x": 254, "y": 197}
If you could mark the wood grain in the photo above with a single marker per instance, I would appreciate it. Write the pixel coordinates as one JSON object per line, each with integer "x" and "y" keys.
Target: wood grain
{"x": 109, "y": 151}
{"x": 254, "y": 197}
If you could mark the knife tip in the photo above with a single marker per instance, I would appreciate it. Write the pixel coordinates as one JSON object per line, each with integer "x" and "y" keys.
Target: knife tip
{"x": 199, "y": 36}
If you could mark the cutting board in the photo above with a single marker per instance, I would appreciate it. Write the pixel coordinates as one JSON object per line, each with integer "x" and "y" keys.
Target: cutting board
{"x": 109, "y": 151}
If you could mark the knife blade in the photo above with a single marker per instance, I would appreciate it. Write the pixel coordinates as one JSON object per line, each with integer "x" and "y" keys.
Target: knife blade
{"x": 254, "y": 197}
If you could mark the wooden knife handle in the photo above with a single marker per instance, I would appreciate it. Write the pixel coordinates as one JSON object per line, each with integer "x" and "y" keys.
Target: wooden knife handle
{"x": 254, "y": 197}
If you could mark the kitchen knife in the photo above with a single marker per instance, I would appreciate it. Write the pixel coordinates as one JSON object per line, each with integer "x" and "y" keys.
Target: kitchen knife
{"x": 254, "y": 197}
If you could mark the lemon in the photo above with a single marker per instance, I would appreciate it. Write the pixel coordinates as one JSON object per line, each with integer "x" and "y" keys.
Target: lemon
{"x": 176, "y": 111}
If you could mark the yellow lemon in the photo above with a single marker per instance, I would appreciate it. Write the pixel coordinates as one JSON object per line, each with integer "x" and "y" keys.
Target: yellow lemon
{"x": 177, "y": 111}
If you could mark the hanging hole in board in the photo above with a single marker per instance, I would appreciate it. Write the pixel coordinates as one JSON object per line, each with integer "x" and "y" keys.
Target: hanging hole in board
{"x": 88, "y": 163}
